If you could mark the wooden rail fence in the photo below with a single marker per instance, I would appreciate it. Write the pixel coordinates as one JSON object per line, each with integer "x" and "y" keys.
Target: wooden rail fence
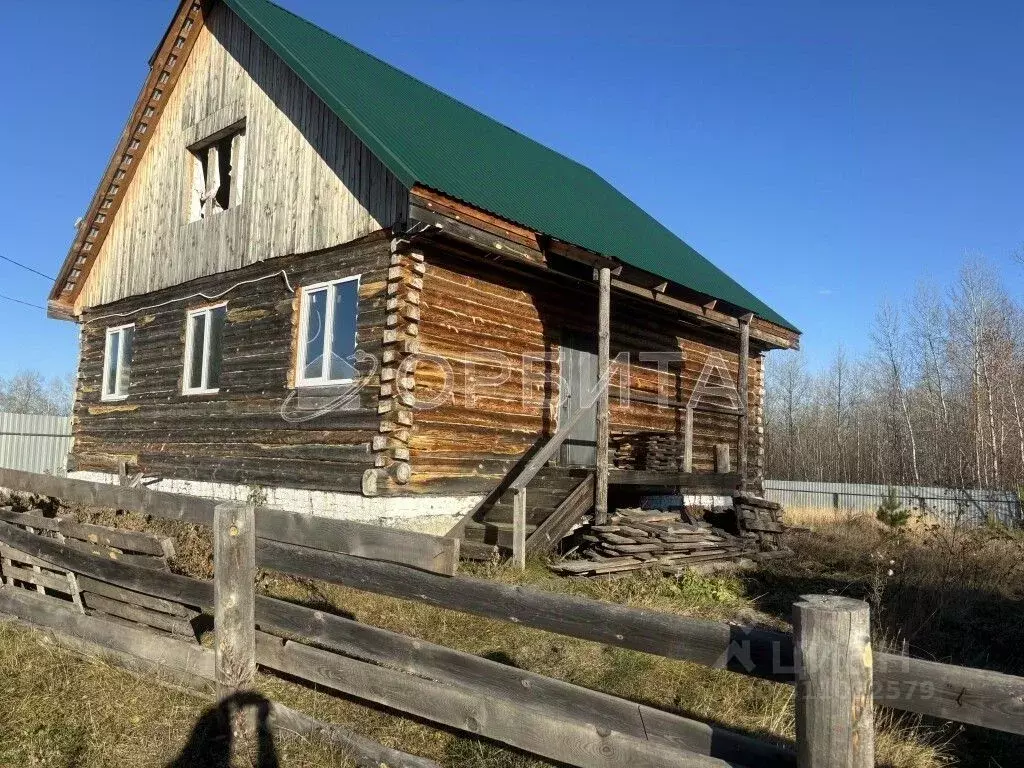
{"x": 828, "y": 658}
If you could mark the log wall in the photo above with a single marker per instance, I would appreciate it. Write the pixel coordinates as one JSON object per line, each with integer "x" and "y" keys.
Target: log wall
{"x": 257, "y": 429}
{"x": 476, "y": 415}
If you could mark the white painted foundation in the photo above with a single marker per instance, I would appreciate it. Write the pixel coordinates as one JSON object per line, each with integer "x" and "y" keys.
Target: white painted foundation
{"x": 427, "y": 514}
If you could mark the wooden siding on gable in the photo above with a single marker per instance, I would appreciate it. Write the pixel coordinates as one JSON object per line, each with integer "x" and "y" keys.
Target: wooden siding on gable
{"x": 257, "y": 429}
{"x": 308, "y": 182}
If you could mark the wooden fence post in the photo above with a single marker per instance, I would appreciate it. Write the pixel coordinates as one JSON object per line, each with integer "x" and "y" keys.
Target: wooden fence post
{"x": 519, "y": 529}
{"x": 834, "y": 706}
{"x": 604, "y": 335}
{"x": 234, "y": 595}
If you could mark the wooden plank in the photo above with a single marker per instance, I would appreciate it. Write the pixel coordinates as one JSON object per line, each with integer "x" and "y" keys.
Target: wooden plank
{"x": 365, "y": 752}
{"x": 604, "y": 319}
{"x": 158, "y": 620}
{"x": 724, "y": 484}
{"x": 128, "y": 541}
{"x": 417, "y": 550}
{"x": 688, "y": 441}
{"x": 744, "y": 393}
{"x": 517, "y": 686}
{"x": 86, "y": 584}
{"x": 101, "y": 550}
{"x": 161, "y": 650}
{"x": 234, "y": 595}
{"x": 537, "y": 732}
{"x": 170, "y": 586}
{"x": 164, "y": 505}
{"x": 519, "y": 528}
{"x": 961, "y": 694}
{"x": 713, "y": 644}
{"x": 835, "y": 724}
{"x": 566, "y": 515}
{"x": 38, "y": 578}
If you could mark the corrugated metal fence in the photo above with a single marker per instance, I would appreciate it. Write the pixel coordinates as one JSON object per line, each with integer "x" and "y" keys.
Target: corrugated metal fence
{"x": 35, "y": 443}
{"x": 947, "y": 504}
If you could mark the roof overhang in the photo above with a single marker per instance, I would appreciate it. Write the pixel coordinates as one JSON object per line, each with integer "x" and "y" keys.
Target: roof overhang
{"x": 166, "y": 66}
{"x": 500, "y": 238}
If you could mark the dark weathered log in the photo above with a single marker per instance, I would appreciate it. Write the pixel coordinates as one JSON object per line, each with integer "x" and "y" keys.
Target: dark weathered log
{"x": 234, "y": 596}
{"x": 834, "y": 714}
{"x": 517, "y": 686}
{"x": 535, "y": 731}
{"x": 189, "y": 658}
{"x": 705, "y": 642}
{"x": 417, "y": 550}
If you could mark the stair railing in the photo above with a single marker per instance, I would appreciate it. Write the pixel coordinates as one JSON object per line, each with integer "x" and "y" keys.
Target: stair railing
{"x": 528, "y": 472}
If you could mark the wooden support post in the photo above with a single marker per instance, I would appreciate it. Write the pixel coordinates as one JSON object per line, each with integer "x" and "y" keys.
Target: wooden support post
{"x": 688, "y": 441}
{"x": 234, "y": 595}
{"x": 834, "y": 709}
{"x": 744, "y": 392}
{"x": 519, "y": 529}
{"x": 603, "y": 361}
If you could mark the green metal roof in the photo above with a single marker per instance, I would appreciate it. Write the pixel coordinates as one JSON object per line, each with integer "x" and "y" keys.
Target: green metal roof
{"x": 429, "y": 138}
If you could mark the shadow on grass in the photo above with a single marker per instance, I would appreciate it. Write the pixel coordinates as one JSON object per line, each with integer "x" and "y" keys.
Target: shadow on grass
{"x": 212, "y": 741}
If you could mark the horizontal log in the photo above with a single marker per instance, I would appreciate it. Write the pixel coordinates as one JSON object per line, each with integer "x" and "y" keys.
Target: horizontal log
{"x": 517, "y": 686}
{"x": 416, "y": 550}
{"x": 173, "y": 624}
{"x": 540, "y": 733}
{"x": 973, "y": 696}
{"x": 189, "y": 658}
{"x": 705, "y": 642}
{"x": 102, "y": 588}
{"x": 38, "y": 578}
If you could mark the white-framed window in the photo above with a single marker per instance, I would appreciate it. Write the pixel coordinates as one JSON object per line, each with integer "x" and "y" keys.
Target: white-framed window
{"x": 217, "y": 164}
{"x": 327, "y": 332}
{"x": 204, "y": 349}
{"x": 117, "y": 362}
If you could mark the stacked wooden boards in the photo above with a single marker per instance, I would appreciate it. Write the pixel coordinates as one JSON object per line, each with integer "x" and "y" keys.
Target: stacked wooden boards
{"x": 635, "y": 539}
{"x": 760, "y": 520}
{"x": 19, "y": 569}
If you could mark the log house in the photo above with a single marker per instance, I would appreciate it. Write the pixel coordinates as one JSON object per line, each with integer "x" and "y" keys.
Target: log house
{"x": 307, "y": 271}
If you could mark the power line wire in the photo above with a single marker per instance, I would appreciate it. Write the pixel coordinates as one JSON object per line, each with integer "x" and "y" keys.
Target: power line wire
{"x": 19, "y": 301}
{"x": 23, "y": 266}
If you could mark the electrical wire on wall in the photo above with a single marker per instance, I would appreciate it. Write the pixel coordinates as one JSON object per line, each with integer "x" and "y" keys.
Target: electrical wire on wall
{"x": 283, "y": 274}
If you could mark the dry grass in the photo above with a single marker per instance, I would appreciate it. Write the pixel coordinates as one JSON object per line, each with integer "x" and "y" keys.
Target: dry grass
{"x": 755, "y": 707}
{"x": 60, "y": 710}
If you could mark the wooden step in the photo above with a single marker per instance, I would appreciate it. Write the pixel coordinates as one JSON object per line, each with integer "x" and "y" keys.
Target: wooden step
{"x": 493, "y": 533}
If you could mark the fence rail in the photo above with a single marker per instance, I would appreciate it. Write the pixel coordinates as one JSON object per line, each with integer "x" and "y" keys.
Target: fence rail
{"x": 541, "y": 715}
{"x": 35, "y": 442}
{"x": 950, "y": 505}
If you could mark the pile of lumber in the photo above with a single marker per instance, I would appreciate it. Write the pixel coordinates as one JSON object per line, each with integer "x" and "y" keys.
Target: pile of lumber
{"x": 635, "y": 539}
{"x": 760, "y": 520}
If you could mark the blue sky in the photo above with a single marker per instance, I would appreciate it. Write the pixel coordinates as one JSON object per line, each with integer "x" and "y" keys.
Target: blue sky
{"x": 825, "y": 154}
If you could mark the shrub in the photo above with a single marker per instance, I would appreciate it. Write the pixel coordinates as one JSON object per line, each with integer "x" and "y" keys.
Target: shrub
{"x": 891, "y": 511}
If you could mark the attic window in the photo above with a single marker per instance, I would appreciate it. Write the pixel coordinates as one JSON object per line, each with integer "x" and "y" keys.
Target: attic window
{"x": 217, "y": 173}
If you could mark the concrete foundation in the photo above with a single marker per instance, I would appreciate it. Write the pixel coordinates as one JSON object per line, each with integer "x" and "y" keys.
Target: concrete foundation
{"x": 427, "y": 514}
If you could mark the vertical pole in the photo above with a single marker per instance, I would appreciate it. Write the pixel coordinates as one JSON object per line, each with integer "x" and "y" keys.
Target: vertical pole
{"x": 688, "y": 441}
{"x": 834, "y": 709}
{"x": 519, "y": 529}
{"x": 234, "y": 595}
{"x": 604, "y": 320}
{"x": 744, "y": 392}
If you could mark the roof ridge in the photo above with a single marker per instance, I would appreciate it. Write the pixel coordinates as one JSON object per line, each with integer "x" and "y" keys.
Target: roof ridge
{"x": 433, "y": 88}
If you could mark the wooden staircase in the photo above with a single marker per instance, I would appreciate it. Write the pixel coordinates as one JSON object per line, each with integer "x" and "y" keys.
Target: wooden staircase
{"x": 558, "y": 497}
